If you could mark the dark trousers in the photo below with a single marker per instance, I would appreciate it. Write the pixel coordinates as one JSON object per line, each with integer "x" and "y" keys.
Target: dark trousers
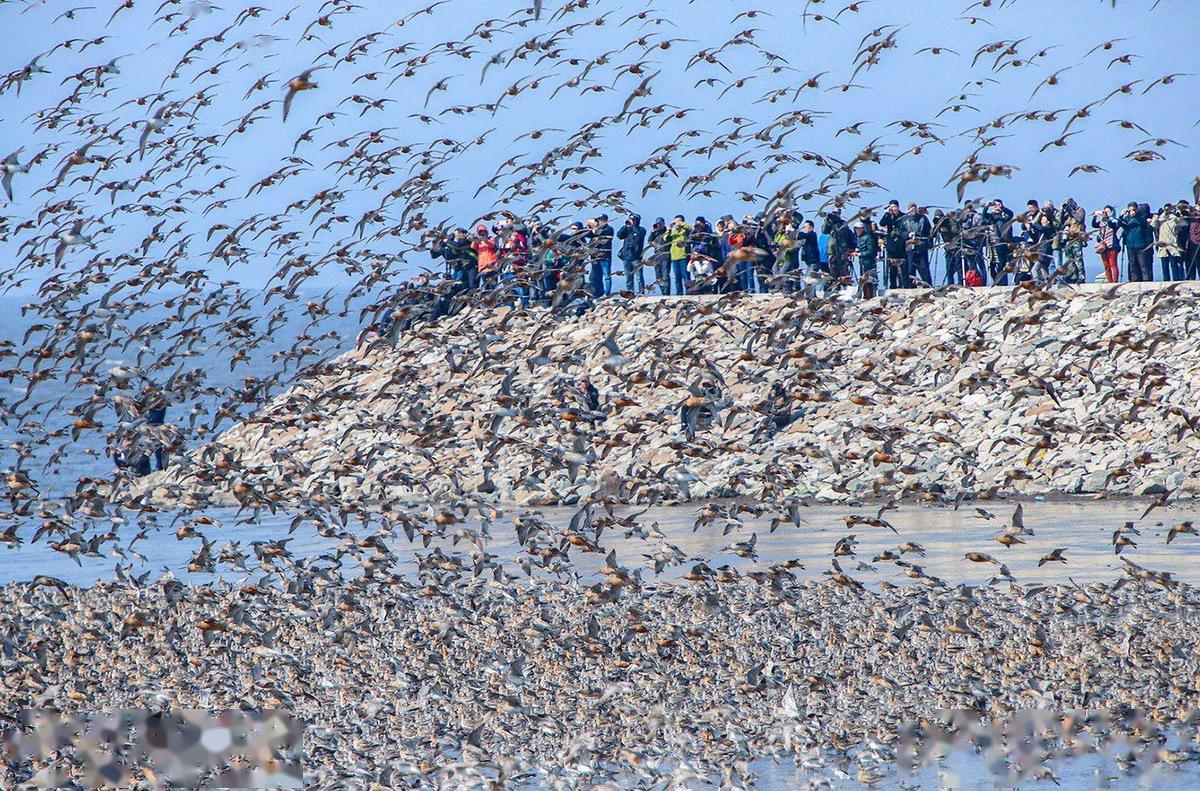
{"x": 635, "y": 280}
{"x": 745, "y": 275}
{"x": 1191, "y": 261}
{"x": 895, "y": 272}
{"x": 918, "y": 266}
{"x": 955, "y": 265}
{"x": 999, "y": 275}
{"x": 601, "y": 277}
{"x": 866, "y": 278}
{"x": 1141, "y": 265}
{"x": 1172, "y": 267}
{"x": 763, "y": 268}
{"x": 662, "y": 274}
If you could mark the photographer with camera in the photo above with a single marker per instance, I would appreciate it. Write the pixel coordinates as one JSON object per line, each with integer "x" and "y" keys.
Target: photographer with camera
{"x": 633, "y": 245}
{"x": 1166, "y": 225}
{"x": 998, "y": 220}
{"x": 1108, "y": 242}
{"x": 1139, "y": 241}
{"x": 918, "y": 235}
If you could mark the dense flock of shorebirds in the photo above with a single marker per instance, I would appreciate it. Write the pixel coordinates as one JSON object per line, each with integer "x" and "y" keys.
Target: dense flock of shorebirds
{"x": 147, "y": 186}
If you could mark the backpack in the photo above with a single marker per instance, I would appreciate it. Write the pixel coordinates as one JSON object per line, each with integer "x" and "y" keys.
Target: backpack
{"x": 973, "y": 279}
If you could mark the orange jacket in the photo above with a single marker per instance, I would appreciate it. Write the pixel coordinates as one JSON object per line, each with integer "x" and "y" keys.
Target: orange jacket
{"x": 485, "y": 249}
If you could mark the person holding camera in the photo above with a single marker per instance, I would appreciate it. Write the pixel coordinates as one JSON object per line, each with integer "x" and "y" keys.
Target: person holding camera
{"x": 1139, "y": 241}
{"x": 677, "y": 238}
{"x": 661, "y": 251}
{"x": 460, "y": 259}
{"x": 633, "y": 245}
{"x": 893, "y": 244}
{"x": 1166, "y": 225}
{"x": 601, "y": 245}
{"x": 998, "y": 219}
{"x": 842, "y": 242}
{"x": 917, "y": 232}
{"x": 1108, "y": 242}
{"x": 1191, "y": 240}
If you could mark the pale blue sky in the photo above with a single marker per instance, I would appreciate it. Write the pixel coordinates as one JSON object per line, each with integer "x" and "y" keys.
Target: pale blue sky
{"x": 904, "y": 85}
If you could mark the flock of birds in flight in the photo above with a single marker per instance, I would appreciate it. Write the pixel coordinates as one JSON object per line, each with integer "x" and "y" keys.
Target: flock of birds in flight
{"x": 136, "y": 219}
{"x": 133, "y": 214}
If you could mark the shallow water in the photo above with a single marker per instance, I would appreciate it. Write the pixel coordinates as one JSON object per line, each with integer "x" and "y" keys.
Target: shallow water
{"x": 1083, "y": 527}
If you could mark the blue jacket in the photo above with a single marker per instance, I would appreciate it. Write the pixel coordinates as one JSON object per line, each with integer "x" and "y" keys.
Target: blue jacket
{"x": 1136, "y": 230}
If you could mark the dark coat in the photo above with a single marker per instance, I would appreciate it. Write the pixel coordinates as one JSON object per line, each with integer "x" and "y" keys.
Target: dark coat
{"x": 602, "y": 242}
{"x": 918, "y": 226}
{"x": 810, "y": 250}
{"x": 889, "y": 224}
{"x": 1000, "y": 222}
{"x": 633, "y": 242}
{"x": 867, "y": 244}
{"x": 1136, "y": 230}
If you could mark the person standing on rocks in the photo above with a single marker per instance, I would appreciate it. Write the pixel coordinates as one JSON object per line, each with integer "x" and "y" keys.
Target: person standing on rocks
{"x": 866, "y": 247}
{"x": 788, "y": 257}
{"x": 460, "y": 260}
{"x": 662, "y": 255}
{"x": 760, "y": 237}
{"x": 917, "y": 232}
{"x": 1139, "y": 242}
{"x": 1166, "y": 226}
{"x": 1108, "y": 242}
{"x": 894, "y": 248}
{"x": 677, "y": 237}
{"x": 945, "y": 236}
{"x": 1191, "y": 250}
{"x": 1071, "y": 235}
{"x": 516, "y": 261}
{"x": 810, "y": 250}
{"x": 998, "y": 220}
{"x": 633, "y": 245}
{"x": 841, "y": 244}
{"x": 602, "y": 249}
{"x": 488, "y": 258}
{"x": 971, "y": 240}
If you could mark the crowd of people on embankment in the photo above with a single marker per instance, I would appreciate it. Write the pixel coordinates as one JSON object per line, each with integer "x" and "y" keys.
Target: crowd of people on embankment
{"x": 979, "y": 244}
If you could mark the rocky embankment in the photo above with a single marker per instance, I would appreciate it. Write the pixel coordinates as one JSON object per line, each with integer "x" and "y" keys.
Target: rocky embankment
{"x": 916, "y": 395}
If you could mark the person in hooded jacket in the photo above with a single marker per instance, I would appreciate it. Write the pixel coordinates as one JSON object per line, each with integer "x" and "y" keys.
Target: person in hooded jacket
{"x": 1138, "y": 237}
{"x": 633, "y": 245}
{"x": 760, "y": 238}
